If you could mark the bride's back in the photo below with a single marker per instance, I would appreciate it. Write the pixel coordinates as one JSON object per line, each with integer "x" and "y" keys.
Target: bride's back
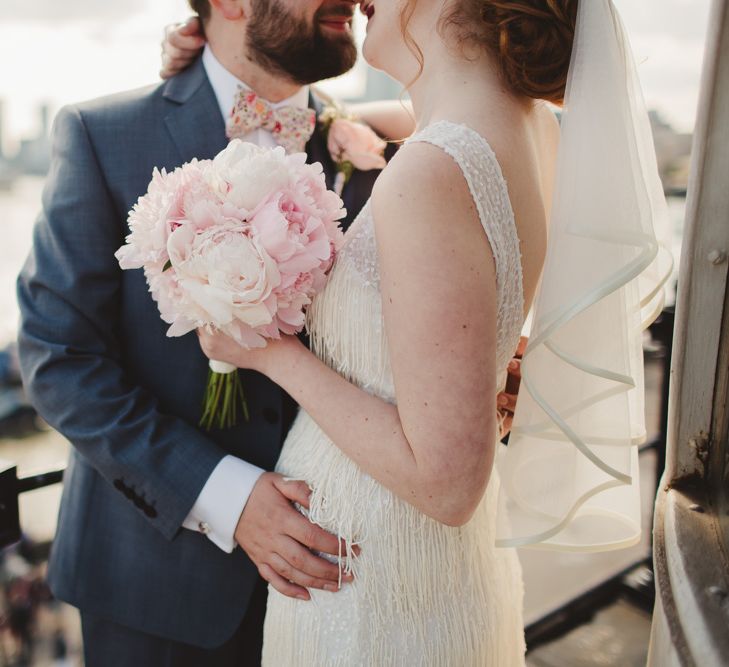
{"x": 525, "y": 142}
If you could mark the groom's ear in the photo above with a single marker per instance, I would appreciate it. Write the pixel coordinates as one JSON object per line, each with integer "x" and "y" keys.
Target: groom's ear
{"x": 232, "y": 10}
{"x": 201, "y": 8}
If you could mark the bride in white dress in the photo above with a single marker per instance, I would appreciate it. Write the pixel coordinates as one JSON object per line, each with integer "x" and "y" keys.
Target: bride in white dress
{"x": 410, "y": 343}
{"x": 423, "y": 310}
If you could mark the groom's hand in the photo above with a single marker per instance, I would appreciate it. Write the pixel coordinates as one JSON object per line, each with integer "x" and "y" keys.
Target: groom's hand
{"x": 506, "y": 400}
{"x": 280, "y": 540}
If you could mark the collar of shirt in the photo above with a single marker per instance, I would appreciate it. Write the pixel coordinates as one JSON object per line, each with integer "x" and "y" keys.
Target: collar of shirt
{"x": 225, "y": 86}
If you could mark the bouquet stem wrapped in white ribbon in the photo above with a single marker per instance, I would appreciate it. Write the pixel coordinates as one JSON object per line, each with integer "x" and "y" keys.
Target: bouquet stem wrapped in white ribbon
{"x": 238, "y": 244}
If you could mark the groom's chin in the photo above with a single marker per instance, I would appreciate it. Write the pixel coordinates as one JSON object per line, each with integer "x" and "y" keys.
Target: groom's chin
{"x": 335, "y": 65}
{"x": 347, "y": 54}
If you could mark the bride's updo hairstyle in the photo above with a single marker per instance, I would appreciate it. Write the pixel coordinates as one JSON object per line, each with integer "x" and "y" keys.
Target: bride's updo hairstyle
{"x": 531, "y": 40}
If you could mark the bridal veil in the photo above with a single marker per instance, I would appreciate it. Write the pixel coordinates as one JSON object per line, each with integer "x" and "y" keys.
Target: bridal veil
{"x": 569, "y": 475}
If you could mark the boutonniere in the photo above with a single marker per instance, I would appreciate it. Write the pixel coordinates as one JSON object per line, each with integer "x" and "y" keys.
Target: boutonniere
{"x": 351, "y": 143}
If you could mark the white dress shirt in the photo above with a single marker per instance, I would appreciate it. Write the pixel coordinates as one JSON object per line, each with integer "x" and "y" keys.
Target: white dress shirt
{"x": 221, "y": 502}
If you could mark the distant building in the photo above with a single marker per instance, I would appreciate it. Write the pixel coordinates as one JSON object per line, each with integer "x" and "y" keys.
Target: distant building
{"x": 34, "y": 156}
{"x": 381, "y": 87}
{"x": 8, "y": 173}
{"x": 673, "y": 151}
{"x": 2, "y": 130}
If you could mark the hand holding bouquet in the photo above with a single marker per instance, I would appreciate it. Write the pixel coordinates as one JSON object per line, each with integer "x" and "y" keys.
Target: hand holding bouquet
{"x": 238, "y": 244}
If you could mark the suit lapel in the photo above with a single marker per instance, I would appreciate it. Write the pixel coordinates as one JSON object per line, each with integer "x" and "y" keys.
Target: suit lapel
{"x": 317, "y": 149}
{"x": 318, "y": 152}
{"x": 195, "y": 123}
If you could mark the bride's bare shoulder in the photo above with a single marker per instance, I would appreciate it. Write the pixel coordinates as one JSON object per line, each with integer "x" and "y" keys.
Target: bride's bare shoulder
{"x": 417, "y": 167}
{"x": 421, "y": 183}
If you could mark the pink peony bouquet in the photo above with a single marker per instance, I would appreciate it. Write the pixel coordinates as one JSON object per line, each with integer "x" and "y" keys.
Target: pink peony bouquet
{"x": 238, "y": 244}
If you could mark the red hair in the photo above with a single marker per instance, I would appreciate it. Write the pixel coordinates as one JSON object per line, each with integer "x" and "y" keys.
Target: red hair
{"x": 531, "y": 40}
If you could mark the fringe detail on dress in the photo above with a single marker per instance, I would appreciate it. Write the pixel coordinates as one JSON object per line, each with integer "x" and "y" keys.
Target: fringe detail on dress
{"x": 357, "y": 351}
{"x": 424, "y": 594}
{"x": 415, "y": 579}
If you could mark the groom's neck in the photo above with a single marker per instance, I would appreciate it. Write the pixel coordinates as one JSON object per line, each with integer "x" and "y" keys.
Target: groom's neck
{"x": 230, "y": 48}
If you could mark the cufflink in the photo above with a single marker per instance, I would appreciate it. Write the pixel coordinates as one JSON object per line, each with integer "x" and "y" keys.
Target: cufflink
{"x": 203, "y": 528}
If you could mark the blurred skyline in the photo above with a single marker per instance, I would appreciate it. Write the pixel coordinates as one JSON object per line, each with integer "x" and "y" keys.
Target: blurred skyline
{"x": 56, "y": 53}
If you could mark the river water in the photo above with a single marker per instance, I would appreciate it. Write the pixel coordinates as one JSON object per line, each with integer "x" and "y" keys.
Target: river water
{"x": 18, "y": 209}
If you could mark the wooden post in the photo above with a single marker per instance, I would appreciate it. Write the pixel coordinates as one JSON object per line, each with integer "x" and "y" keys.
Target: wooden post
{"x": 692, "y": 574}
{"x": 702, "y": 279}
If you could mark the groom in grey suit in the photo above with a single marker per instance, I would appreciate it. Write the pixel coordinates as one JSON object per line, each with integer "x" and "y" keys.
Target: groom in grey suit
{"x": 163, "y": 528}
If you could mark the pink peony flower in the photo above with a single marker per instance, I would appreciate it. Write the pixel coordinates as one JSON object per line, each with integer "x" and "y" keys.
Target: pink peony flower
{"x": 170, "y": 200}
{"x": 227, "y": 279}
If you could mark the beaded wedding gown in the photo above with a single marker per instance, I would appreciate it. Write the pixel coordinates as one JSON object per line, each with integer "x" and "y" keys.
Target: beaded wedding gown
{"x": 424, "y": 594}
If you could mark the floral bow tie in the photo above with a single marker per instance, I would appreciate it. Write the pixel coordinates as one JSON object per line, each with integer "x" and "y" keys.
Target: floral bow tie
{"x": 291, "y": 127}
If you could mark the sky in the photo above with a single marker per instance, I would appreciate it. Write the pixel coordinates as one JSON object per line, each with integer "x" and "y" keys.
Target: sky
{"x": 64, "y": 51}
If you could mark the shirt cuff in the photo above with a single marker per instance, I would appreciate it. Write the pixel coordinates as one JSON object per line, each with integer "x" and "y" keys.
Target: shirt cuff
{"x": 217, "y": 510}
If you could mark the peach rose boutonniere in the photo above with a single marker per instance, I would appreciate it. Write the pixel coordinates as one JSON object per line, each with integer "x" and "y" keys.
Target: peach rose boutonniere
{"x": 352, "y": 145}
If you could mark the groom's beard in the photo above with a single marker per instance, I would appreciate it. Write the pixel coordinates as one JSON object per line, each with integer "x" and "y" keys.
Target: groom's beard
{"x": 286, "y": 44}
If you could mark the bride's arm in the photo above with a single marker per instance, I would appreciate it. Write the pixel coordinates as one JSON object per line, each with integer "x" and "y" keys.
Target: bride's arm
{"x": 391, "y": 119}
{"x": 435, "y": 448}
{"x": 181, "y": 44}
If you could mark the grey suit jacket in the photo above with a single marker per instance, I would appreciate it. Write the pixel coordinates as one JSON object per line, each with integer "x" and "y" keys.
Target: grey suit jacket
{"x": 100, "y": 369}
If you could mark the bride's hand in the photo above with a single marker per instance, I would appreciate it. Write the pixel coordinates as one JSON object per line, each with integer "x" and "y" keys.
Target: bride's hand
{"x": 267, "y": 360}
{"x": 181, "y": 45}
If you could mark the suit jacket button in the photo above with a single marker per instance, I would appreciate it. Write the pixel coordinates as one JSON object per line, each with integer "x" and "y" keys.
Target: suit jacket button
{"x": 138, "y": 502}
{"x": 119, "y": 485}
{"x": 270, "y": 415}
{"x": 150, "y": 512}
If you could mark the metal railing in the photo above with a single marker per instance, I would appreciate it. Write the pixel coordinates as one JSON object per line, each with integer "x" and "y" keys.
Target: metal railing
{"x": 11, "y": 486}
